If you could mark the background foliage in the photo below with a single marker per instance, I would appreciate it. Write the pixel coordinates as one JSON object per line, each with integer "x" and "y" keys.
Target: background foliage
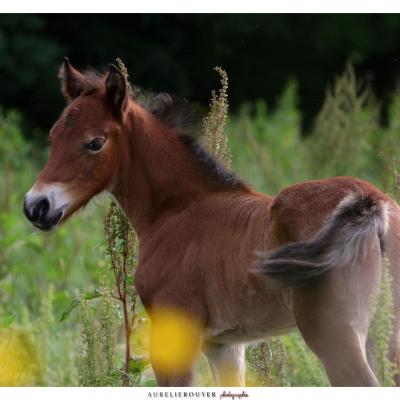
{"x": 176, "y": 53}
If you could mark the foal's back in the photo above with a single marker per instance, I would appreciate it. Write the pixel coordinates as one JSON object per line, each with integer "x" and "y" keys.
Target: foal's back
{"x": 300, "y": 210}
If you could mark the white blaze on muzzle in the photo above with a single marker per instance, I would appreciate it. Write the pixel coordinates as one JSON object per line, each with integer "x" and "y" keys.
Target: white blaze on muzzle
{"x": 45, "y": 205}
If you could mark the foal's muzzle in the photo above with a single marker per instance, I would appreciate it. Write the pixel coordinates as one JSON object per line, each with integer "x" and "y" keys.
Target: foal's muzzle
{"x": 39, "y": 210}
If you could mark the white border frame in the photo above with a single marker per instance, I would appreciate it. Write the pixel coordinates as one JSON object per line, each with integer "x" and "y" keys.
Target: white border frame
{"x": 205, "y": 393}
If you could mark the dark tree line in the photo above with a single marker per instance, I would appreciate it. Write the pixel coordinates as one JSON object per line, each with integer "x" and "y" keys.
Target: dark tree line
{"x": 176, "y": 53}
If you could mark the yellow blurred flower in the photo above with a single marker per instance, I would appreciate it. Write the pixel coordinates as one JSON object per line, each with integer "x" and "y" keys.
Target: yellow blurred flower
{"x": 19, "y": 361}
{"x": 175, "y": 340}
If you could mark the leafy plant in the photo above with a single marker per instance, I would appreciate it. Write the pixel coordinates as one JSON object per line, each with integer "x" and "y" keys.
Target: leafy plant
{"x": 96, "y": 364}
{"x": 214, "y": 134}
{"x": 381, "y": 330}
{"x": 122, "y": 251}
{"x": 269, "y": 361}
{"x": 346, "y": 122}
{"x": 304, "y": 368}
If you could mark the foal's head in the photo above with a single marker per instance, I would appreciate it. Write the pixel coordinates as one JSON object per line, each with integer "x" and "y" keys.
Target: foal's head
{"x": 84, "y": 146}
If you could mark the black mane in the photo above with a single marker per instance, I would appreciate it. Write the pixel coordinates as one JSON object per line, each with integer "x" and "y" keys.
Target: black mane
{"x": 179, "y": 115}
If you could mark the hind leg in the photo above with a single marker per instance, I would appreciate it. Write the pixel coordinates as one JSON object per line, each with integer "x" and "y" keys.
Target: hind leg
{"x": 342, "y": 352}
{"x": 333, "y": 315}
{"x": 227, "y": 363}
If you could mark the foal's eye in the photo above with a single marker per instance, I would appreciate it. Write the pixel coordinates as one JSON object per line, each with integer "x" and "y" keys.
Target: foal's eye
{"x": 95, "y": 145}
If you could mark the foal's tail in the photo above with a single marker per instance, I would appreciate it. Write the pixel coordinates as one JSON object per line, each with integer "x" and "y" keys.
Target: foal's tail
{"x": 345, "y": 238}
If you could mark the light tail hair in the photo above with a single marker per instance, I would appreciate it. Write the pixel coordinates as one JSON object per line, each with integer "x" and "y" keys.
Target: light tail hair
{"x": 345, "y": 238}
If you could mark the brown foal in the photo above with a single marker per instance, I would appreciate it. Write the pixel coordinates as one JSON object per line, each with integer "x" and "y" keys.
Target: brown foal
{"x": 243, "y": 264}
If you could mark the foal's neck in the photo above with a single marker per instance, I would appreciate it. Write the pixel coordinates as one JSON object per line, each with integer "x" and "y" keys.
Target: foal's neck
{"x": 158, "y": 175}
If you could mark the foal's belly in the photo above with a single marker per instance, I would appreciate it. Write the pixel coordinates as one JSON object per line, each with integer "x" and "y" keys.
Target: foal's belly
{"x": 243, "y": 334}
{"x": 267, "y": 315}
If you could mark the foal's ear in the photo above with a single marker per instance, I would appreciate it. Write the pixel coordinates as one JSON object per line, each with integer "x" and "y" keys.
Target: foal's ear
{"x": 116, "y": 90}
{"x": 72, "y": 81}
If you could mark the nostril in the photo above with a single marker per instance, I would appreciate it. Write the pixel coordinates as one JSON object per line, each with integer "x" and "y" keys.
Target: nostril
{"x": 40, "y": 209}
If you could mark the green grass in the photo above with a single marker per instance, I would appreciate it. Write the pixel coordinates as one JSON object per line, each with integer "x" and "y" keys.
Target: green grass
{"x": 41, "y": 274}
